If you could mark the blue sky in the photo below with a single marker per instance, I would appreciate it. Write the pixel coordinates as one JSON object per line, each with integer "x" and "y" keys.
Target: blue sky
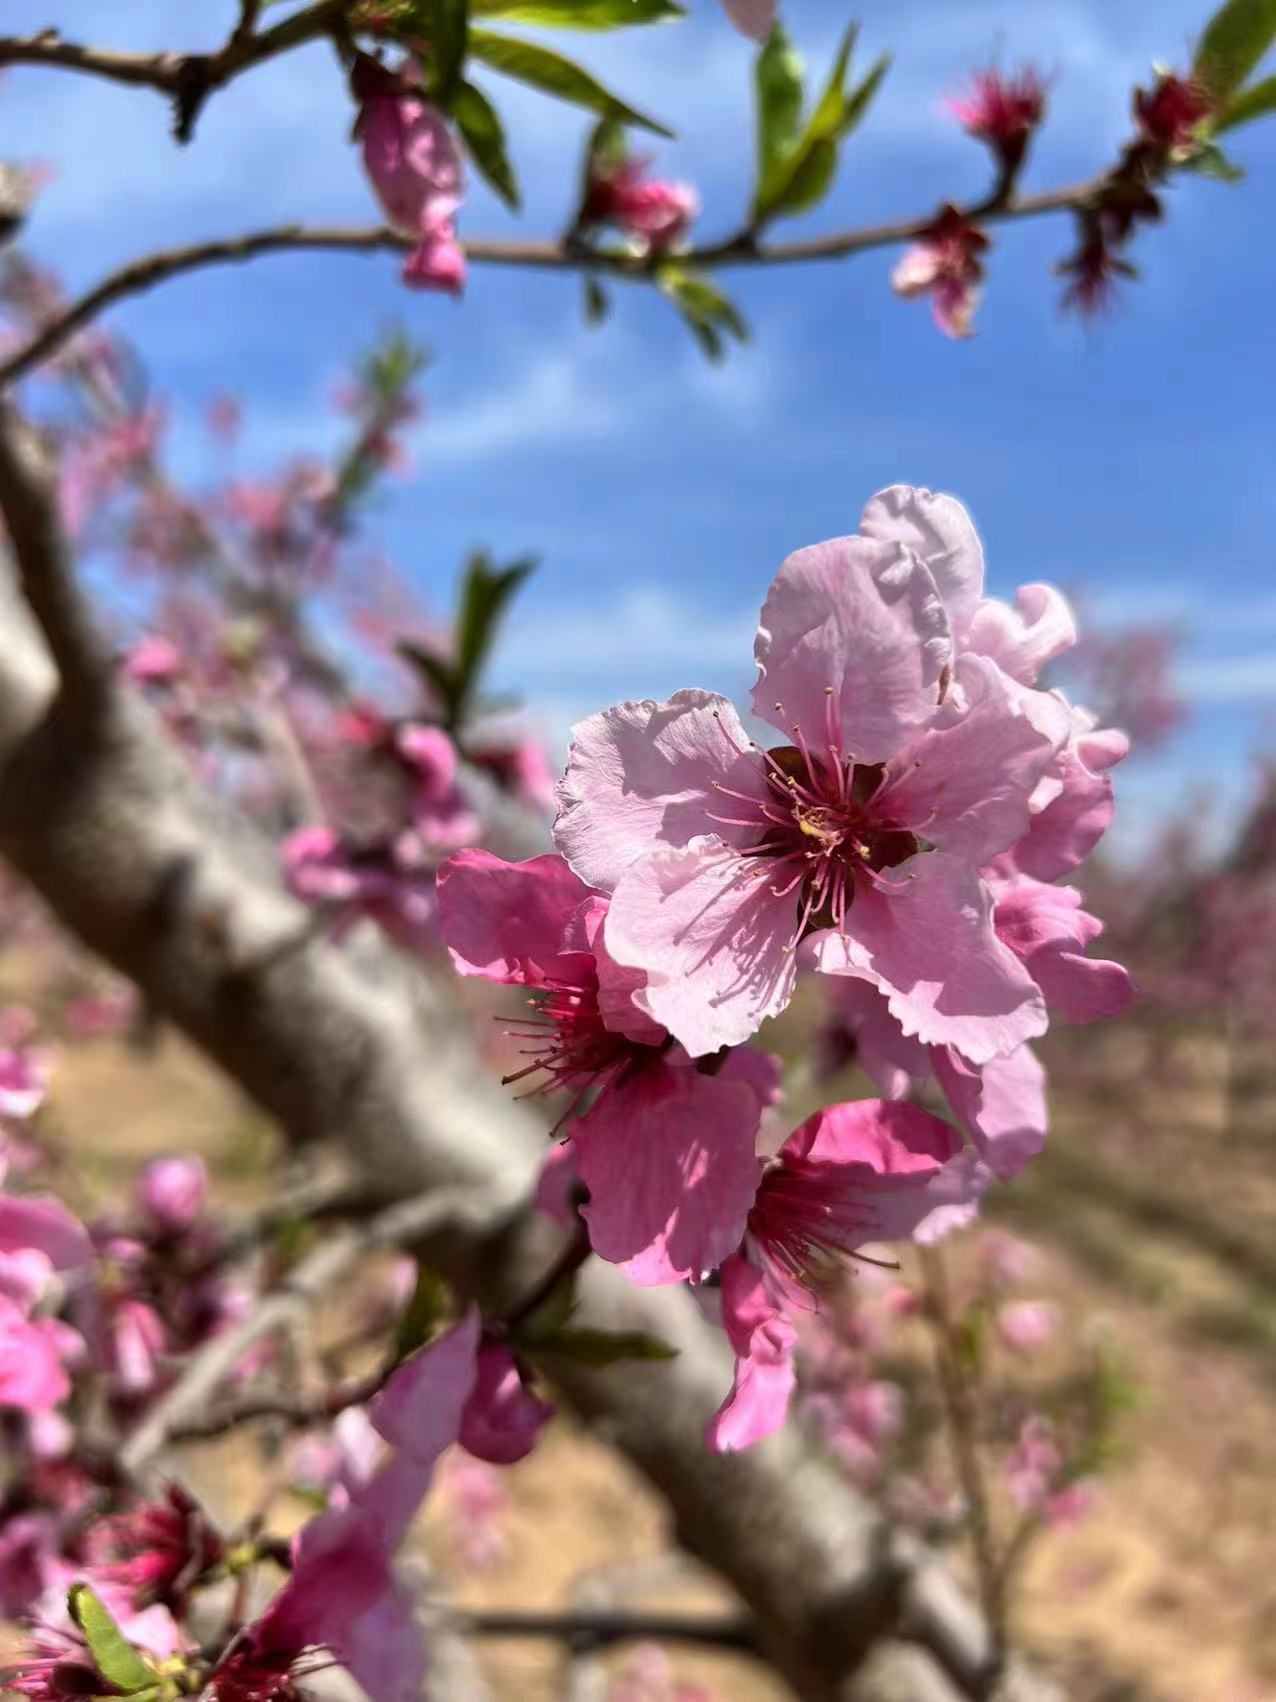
{"x": 1133, "y": 459}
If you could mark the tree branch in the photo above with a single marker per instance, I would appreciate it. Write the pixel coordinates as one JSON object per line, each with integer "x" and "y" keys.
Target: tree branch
{"x": 141, "y": 275}
{"x": 29, "y": 500}
{"x": 586, "y": 1629}
{"x": 103, "y": 815}
{"x": 186, "y": 78}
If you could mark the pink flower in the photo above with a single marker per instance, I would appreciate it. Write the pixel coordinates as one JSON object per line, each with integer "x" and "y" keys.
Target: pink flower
{"x": 1037, "y": 1477}
{"x": 136, "y": 1338}
{"x": 1003, "y": 112}
{"x": 1048, "y": 931}
{"x": 415, "y": 169}
{"x": 32, "y": 1376}
{"x": 59, "y": 1666}
{"x": 654, "y": 213}
{"x": 153, "y": 660}
{"x": 156, "y": 1550}
{"x": 860, "y": 841}
{"x": 665, "y": 1149}
{"x": 441, "y": 814}
{"x": 500, "y": 1420}
{"x": 852, "y": 1174}
{"x": 173, "y": 1191}
{"x": 381, "y": 882}
{"x": 1026, "y": 1325}
{"x": 946, "y": 265}
{"x": 39, "y": 1221}
{"x": 754, "y": 18}
{"x": 24, "y": 1083}
{"x": 521, "y": 768}
{"x": 1170, "y": 113}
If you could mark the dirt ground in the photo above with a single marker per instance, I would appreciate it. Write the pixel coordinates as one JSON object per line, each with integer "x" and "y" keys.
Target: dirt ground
{"x": 1147, "y": 1218}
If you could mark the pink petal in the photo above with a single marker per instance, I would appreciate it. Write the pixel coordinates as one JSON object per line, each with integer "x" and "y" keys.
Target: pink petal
{"x": 965, "y": 784}
{"x": 502, "y": 1419}
{"x": 764, "y": 1374}
{"x": 1048, "y": 931}
{"x": 40, "y": 1221}
{"x": 885, "y": 1140}
{"x": 938, "y": 530}
{"x": 504, "y": 921}
{"x": 618, "y": 985}
{"x": 714, "y": 937}
{"x": 643, "y": 774}
{"x": 1078, "y": 811}
{"x": 669, "y": 1161}
{"x": 1023, "y": 639}
{"x": 863, "y": 618}
{"x": 1002, "y": 1104}
{"x": 891, "y": 1060}
{"x": 952, "y": 1197}
{"x": 928, "y": 944}
{"x": 419, "y": 1410}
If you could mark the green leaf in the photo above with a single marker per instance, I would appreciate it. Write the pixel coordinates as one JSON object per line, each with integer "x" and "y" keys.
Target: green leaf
{"x": 423, "y": 1314}
{"x": 1210, "y": 161}
{"x": 798, "y": 177}
{"x": 1250, "y": 103}
{"x": 778, "y": 84}
{"x": 549, "y": 1319}
{"x": 445, "y": 24}
{"x": 1233, "y": 42}
{"x": 113, "y": 1655}
{"x": 484, "y": 137}
{"x": 601, "y": 1348}
{"x": 553, "y": 75}
{"x": 485, "y": 592}
{"x": 580, "y": 14}
{"x": 438, "y": 671}
{"x": 597, "y": 302}
{"x": 710, "y": 316}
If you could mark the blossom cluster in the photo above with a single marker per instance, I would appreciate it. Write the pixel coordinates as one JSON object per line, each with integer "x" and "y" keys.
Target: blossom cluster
{"x": 905, "y": 841}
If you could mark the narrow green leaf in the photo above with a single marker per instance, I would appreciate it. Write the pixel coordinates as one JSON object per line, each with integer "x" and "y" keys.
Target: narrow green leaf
{"x": 113, "y": 1655}
{"x": 597, "y": 302}
{"x": 1233, "y": 42}
{"x": 484, "y": 137}
{"x": 553, "y": 75}
{"x": 438, "y": 672}
{"x": 828, "y": 110}
{"x": 778, "y": 81}
{"x": 709, "y": 315}
{"x": 445, "y": 25}
{"x": 423, "y": 1314}
{"x": 485, "y": 592}
{"x": 1211, "y": 161}
{"x": 580, "y": 14}
{"x": 601, "y": 1348}
{"x": 858, "y": 104}
{"x": 550, "y": 1318}
{"x": 1250, "y": 103}
{"x": 811, "y": 178}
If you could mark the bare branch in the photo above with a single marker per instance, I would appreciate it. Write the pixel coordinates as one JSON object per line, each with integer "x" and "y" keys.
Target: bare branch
{"x": 186, "y": 78}
{"x": 585, "y": 1629}
{"x": 140, "y": 275}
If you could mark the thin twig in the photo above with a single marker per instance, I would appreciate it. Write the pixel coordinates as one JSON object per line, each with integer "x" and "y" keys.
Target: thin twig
{"x": 585, "y": 1628}
{"x": 569, "y": 1260}
{"x": 959, "y": 1412}
{"x": 296, "y": 1412}
{"x": 141, "y": 275}
{"x": 295, "y": 1296}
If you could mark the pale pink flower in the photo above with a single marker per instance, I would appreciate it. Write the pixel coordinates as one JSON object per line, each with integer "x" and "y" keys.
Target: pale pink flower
{"x": 1026, "y": 1325}
{"x": 945, "y": 264}
{"x": 665, "y": 1149}
{"x": 851, "y": 1175}
{"x": 136, "y": 1338}
{"x": 32, "y": 1375}
{"x": 863, "y": 839}
{"x": 381, "y": 882}
{"x": 24, "y": 1083}
{"x": 1048, "y": 931}
{"x": 173, "y": 1192}
{"x": 39, "y": 1221}
{"x": 1037, "y": 1476}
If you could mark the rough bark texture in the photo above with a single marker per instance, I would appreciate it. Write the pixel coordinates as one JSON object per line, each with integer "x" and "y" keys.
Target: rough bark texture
{"x": 102, "y": 815}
